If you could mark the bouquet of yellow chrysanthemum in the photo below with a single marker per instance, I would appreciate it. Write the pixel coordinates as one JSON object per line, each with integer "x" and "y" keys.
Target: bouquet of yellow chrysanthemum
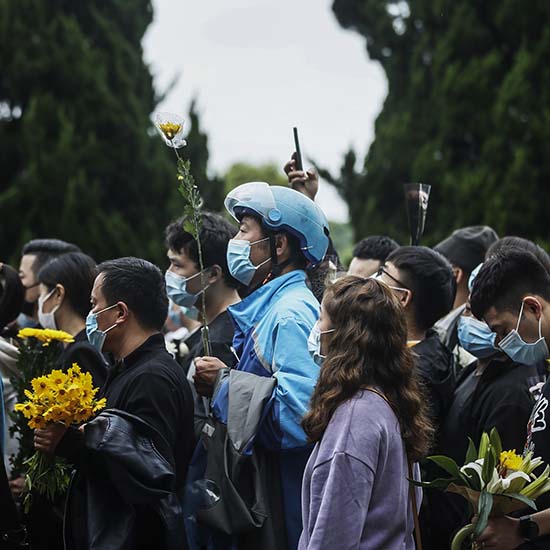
{"x": 65, "y": 398}
{"x": 45, "y": 335}
{"x": 39, "y": 353}
{"x": 493, "y": 481}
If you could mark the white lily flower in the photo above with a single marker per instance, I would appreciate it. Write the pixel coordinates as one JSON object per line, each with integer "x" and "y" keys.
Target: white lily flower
{"x": 512, "y": 483}
{"x": 473, "y": 468}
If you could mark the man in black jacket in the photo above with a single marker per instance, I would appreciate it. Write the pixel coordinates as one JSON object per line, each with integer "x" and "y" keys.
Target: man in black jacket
{"x": 423, "y": 280}
{"x": 512, "y": 295}
{"x": 129, "y": 307}
{"x": 490, "y": 393}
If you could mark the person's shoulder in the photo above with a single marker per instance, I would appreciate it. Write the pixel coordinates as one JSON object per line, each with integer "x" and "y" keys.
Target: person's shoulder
{"x": 358, "y": 427}
{"x": 221, "y": 329}
{"x": 373, "y": 405}
{"x": 366, "y": 414}
{"x": 161, "y": 366}
{"x": 296, "y": 303}
{"x": 80, "y": 347}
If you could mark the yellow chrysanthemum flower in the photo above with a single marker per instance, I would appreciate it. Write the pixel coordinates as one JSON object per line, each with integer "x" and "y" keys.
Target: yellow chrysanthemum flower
{"x": 510, "y": 460}
{"x": 45, "y": 335}
{"x": 61, "y": 397}
{"x": 170, "y": 129}
{"x": 58, "y": 378}
{"x": 40, "y": 386}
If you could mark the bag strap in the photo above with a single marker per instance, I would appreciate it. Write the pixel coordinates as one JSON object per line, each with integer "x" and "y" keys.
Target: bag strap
{"x": 412, "y": 491}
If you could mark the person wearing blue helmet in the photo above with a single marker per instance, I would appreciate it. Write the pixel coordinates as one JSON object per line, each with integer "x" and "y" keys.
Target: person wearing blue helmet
{"x": 282, "y": 233}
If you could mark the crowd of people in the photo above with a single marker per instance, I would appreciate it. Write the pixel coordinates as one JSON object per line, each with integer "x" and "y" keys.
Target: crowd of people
{"x": 297, "y": 419}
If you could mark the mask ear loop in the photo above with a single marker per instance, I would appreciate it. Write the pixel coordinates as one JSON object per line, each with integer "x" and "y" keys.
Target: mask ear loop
{"x": 520, "y": 315}
{"x": 48, "y": 296}
{"x": 540, "y": 326}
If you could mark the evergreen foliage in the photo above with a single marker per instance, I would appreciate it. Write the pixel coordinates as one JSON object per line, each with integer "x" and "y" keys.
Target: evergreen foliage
{"x": 468, "y": 111}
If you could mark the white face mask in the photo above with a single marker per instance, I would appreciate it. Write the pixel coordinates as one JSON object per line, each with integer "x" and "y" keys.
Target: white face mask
{"x": 314, "y": 343}
{"x": 520, "y": 351}
{"x": 47, "y": 320}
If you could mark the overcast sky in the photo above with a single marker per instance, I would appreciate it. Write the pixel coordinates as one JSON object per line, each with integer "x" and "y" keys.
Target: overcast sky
{"x": 259, "y": 67}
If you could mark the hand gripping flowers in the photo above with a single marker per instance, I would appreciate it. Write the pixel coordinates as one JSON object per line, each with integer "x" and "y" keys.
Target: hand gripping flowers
{"x": 66, "y": 398}
{"x": 495, "y": 482}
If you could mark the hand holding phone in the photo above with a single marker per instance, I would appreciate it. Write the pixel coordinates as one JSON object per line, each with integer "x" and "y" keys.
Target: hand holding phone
{"x": 306, "y": 182}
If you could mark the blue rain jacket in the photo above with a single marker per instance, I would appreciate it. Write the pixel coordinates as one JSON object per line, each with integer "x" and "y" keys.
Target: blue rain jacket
{"x": 272, "y": 326}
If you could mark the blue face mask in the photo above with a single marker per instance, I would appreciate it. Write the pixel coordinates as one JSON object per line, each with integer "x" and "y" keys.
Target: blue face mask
{"x": 476, "y": 337}
{"x": 239, "y": 262}
{"x": 314, "y": 343}
{"x": 95, "y": 336}
{"x": 176, "y": 288}
{"x": 520, "y": 351}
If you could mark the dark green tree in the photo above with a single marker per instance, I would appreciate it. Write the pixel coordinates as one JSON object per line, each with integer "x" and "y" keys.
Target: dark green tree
{"x": 243, "y": 172}
{"x": 80, "y": 158}
{"x": 467, "y": 111}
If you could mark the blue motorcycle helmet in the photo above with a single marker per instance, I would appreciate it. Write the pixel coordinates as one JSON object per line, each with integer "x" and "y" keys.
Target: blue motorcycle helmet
{"x": 283, "y": 209}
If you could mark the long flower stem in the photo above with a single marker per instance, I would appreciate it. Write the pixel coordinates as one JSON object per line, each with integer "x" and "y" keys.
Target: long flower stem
{"x": 462, "y": 536}
{"x": 191, "y": 194}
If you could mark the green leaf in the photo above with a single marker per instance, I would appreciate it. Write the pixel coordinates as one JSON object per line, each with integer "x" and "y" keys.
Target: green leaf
{"x": 488, "y": 465}
{"x": 471, "y": 454}
{"x": 522, "y": 498}
{"x": 435, "y": 484}
{"x": 484, "y": 509}
{"x": 496, "y": 443}
{"x": 483, "y": 445}
{"x": 448, "y": 464}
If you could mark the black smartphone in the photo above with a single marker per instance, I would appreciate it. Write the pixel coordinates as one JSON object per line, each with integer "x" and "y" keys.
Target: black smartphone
{"x": 299, "y": 165}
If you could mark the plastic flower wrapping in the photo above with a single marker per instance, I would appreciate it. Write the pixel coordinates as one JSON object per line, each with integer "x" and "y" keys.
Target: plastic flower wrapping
{"x": 59, "y": 397}
{"x": 170, "y": 127}
{"x": 493, "y": 481}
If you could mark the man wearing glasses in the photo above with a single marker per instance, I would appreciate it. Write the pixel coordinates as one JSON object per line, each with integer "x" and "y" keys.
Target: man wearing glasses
{"x": 424, "y": 283}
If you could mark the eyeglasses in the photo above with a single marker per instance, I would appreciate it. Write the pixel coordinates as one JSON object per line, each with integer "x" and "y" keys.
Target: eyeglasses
{"x": 383, "y": 271}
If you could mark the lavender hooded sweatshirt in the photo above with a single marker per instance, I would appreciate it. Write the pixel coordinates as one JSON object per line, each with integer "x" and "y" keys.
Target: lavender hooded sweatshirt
{"x": 355, "y": 493}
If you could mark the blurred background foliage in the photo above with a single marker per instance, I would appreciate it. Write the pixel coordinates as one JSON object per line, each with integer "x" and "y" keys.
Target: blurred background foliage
{"x": 468, "y": 111}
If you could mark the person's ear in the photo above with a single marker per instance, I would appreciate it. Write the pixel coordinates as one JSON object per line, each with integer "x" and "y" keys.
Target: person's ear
{"x": 407, "y": 298}
{"x": 458, "y": 272}
{"x": 533, "y": 305}
{"x": 214, "y": 274}
{"x": 282, "y": 246}
{"x": 59, "y": 294}
{"x": 123, "y": 312}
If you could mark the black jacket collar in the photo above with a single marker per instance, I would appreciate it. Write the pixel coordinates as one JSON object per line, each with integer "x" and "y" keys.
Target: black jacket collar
{"x": 153, "y": 343}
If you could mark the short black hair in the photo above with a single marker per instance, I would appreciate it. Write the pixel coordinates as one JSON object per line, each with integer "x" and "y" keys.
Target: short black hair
{"x": 77, "y": 273}
{"x": 429, "y": 276}
{"x": 215, "y": 234}
{"x": 46, "y": 249}
{"x": 375, "y": 247}
{"x": 519, "y": 243}
{"x": 12, "y": 295}
{"x": 140, "y": 285}
{"x": 505, "y": 278}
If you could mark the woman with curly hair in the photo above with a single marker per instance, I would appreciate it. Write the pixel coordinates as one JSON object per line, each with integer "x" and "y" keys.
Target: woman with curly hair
{"x": 368, "y": 420}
